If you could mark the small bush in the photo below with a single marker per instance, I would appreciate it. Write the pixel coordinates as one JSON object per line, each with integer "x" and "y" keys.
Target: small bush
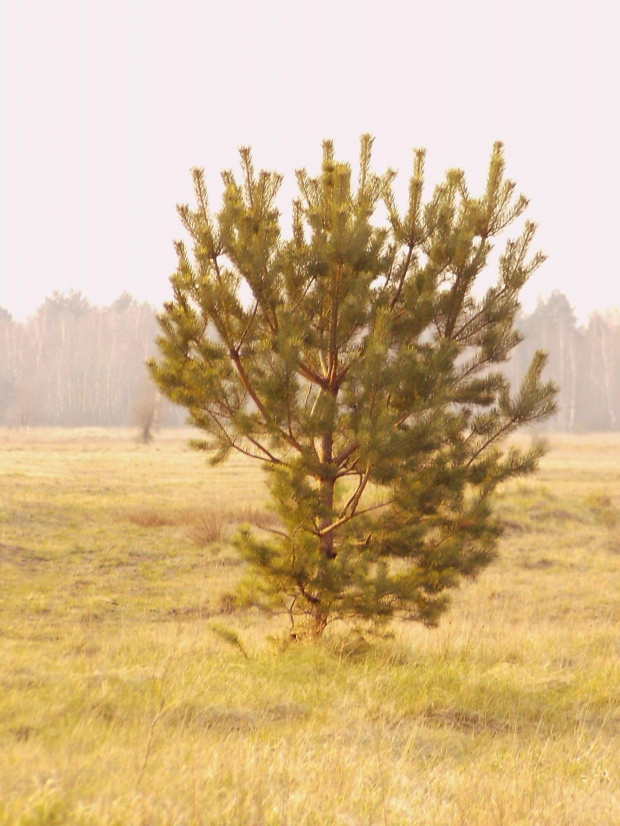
{"x": 209, "y": 525}
{"x": 150, "y": 518}
{"x": 258, "y": 517}
{"x": 206, "y": 526}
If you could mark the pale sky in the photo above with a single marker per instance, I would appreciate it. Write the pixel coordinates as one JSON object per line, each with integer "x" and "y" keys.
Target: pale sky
{"x": 106, "y": 104}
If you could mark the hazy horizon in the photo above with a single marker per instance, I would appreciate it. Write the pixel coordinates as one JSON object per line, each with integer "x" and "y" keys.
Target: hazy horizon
{"x": 106, "y": 107}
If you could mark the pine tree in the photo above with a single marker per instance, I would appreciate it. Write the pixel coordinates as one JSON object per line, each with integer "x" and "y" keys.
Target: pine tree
{"x": 355, "y": 361}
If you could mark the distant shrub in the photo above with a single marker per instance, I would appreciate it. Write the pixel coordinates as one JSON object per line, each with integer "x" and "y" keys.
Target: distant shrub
{"x": 258, "y": 517}
{"x": 204, "y": 526}
{"x": 150, "y": 518}
{"x": 208, "y": 525}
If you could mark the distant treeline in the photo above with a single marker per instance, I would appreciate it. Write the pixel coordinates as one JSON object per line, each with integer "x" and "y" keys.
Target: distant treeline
{"x": 583, "y": 360}
{"x": 73, "y": 365}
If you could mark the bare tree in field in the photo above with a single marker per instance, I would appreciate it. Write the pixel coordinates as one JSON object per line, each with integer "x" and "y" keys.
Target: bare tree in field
{"x": 145, "y": 410}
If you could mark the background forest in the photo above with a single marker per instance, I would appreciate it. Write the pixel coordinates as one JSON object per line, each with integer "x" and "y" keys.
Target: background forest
{"x": 77, "y": 365}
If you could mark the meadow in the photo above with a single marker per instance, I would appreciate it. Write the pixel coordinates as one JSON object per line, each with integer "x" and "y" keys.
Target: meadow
{"x": 134, "y": 692}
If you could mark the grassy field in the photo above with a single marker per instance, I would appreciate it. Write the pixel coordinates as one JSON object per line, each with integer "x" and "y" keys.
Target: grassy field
{"x": 132, "y": 692}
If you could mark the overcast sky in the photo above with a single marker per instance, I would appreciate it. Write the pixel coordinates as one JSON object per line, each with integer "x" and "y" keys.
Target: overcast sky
{"x": 106, "y": 104}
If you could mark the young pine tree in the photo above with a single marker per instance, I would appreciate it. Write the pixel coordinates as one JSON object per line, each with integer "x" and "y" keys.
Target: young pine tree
{"x": 356, "y": 363}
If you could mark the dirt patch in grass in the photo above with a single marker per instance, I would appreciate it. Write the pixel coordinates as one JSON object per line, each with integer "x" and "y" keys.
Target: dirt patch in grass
{"x": 538, "y": 564}
{"x": 463, "y": 720}
{"x": 20, "y": 556}
{"x": 560, "y": 514}
{"x": 231, "y": 720}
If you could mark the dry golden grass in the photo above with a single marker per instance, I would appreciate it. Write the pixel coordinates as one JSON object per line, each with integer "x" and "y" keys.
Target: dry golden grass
{"x": 132, "y": 691}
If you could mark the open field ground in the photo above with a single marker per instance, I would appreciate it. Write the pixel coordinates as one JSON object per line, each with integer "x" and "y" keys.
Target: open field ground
{"x": 132, "y": 691}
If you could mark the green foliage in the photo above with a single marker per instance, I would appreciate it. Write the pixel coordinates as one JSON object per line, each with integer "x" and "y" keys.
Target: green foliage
{"x": 362, "y": 370}
{"x": 230, "y": 636}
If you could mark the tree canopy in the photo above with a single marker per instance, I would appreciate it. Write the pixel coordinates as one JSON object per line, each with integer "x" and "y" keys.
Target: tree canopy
{"x": 356, "y": 361}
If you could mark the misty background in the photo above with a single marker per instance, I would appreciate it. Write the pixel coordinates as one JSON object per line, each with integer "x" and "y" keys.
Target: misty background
{"x": 75, "y": 365}
{"x": 105, "y": 106}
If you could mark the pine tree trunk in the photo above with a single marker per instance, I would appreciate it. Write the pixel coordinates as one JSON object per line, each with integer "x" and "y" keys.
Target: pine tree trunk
{"x": 326, "y": 496}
